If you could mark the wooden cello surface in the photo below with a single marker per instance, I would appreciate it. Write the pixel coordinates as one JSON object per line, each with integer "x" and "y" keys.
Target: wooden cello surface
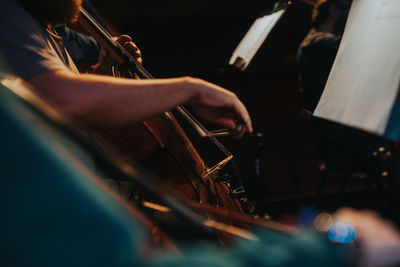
{"x": 163, "y": 147}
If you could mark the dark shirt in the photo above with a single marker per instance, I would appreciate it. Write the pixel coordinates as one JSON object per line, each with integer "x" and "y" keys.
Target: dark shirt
{"x": 83, "y": 49}
{"x": 341, "y": 148}
{"x": 316, "y": 56}
{"x": 28, "y": 48}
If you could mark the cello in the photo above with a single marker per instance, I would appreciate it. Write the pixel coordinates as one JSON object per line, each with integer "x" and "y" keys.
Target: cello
{"x": 162, "y": 145}
{"x": 113, "y": 163}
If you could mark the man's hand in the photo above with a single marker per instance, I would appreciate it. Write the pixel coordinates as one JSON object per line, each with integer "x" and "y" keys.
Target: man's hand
{"x": 106, "y": 61}
{"x": 217, "y": 105}
{"x": 380, "y": 239}
{"x": 371, "y": 228}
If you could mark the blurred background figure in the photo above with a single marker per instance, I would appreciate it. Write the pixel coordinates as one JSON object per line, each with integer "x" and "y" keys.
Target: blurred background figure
{"x": 342, "y": 149}
{"x": 318, "y": 50}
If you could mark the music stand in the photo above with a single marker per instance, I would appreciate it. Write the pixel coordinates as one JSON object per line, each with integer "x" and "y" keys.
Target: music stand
{"x": 365, "y": 77}
{"x": 362, "y": 91}
{"x": 256, "y": 36}
{"x": 241, "y": 57}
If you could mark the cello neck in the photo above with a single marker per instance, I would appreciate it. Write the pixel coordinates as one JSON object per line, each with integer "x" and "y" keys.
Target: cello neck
{"x": 118, "y": 52}
{"x": 114, "y": 49}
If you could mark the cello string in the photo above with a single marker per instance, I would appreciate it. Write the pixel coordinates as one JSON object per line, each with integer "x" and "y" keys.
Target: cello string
{"x": 149, "y": 76}
{"x": 186, "y": 114}
{"x": 139, "y": 66}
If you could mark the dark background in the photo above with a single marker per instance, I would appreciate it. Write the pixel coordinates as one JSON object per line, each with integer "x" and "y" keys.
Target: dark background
{"x": 179, "y": 38}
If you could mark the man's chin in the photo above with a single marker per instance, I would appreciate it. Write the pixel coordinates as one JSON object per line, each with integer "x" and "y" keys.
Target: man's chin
{"x": 73, "y": 18}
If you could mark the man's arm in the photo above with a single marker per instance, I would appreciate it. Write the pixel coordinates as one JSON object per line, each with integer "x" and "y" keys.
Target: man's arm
{"x": 107, "y": 102}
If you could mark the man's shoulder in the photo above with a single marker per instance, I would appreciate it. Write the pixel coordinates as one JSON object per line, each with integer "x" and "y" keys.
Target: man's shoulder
{"x": 14, "y": 17}
{"x": 10, "y": 6}
{"x": 24, "y": 43}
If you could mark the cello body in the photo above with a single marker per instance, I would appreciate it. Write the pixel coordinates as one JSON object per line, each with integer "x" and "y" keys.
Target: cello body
{"x": 161, "y": 145}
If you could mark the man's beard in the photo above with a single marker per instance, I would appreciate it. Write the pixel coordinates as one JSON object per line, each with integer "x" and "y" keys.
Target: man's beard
{"x": 67, "y": 10}
{"x": 53, "y": 11}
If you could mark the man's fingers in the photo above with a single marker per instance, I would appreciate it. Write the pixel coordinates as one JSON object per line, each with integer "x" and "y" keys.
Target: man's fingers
{"x": 139, "y": 60}
{"x": 243, "y": 115}
{"x": 123, "y": 39}
{"x": 249, "y": 125}
{"x": 223, "y": 107}
{"x": 228, "y": 123}
{"x": 132, "y": 49}
{"x": 126, "y": 42}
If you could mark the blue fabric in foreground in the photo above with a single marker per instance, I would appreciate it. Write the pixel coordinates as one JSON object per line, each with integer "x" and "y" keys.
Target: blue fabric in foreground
{"x": 55, "y": 212}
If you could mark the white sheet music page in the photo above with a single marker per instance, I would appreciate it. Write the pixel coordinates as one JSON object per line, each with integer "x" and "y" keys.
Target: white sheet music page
{"x": 254, "y": 38}
{"x": 365, "y": 77}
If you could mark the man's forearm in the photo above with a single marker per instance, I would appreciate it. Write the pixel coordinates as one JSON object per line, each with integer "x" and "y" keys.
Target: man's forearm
{"x": 106, "y": 102}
